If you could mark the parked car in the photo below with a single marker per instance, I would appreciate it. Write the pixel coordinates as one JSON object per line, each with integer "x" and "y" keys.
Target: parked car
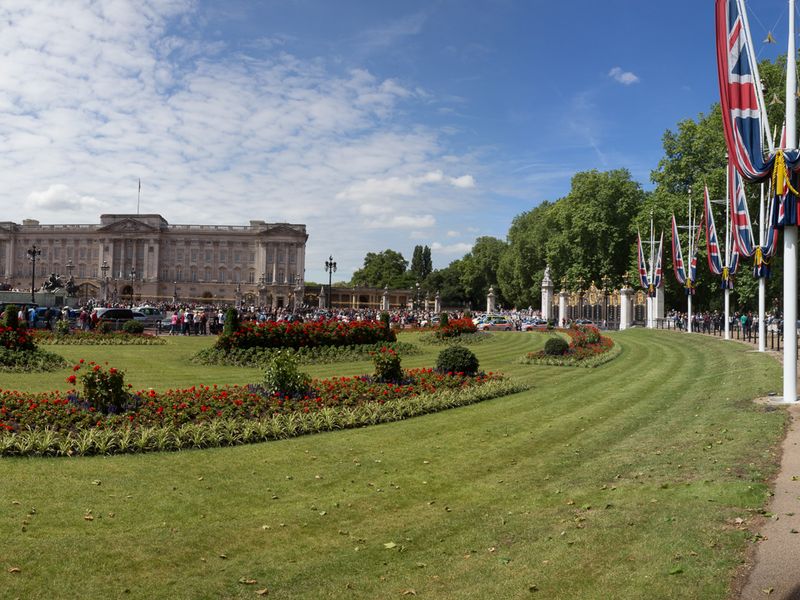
{"x": 533, "y": 324}
{"x": 117, "y": 317}
{"x": 152, "y": 315}
{"x": 496, "y": 324}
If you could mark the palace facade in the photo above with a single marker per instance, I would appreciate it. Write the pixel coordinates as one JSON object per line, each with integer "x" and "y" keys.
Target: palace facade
{"x": 130, "y": 257}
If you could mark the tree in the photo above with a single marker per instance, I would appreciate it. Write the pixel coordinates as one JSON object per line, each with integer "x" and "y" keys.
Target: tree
{"x": 479, "y": 270}
{"x": 383, "y": 268}
{"x": 417, "y": 263}
{"x": 427, "y": 262}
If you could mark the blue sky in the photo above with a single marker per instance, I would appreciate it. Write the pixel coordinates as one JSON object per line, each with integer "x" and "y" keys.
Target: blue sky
{"x": 380, "y": 124}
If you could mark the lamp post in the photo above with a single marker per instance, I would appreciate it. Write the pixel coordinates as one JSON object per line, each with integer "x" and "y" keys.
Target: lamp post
{"x": 606, "y": 290}
{"x": 416, "y": 296}
{"x": 238, "y": 297}
{"x": 133, "y": 278}
{"x": 330, "y": 267}
{"x": 104, "y": 270}
{"x": 175, "y": 292}
{"x": 33, "y": 253}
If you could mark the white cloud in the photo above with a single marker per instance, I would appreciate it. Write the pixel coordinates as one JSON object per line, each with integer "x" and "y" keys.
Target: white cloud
{"x": 60, "y": 198}
{"x": 452, "y": 234}
{"x": 403, "y": 222}
{"x": 465, "y": 181}
{"x": 460, "y": 248}
{"x": 623, "y": 77}
{"x": 95, "y": 95}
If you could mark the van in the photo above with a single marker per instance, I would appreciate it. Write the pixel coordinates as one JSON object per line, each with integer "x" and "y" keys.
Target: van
{"x": 117, "y": 317}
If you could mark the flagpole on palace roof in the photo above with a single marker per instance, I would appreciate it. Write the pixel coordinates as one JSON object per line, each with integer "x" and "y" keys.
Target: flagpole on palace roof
{"x": 790, "y": 233}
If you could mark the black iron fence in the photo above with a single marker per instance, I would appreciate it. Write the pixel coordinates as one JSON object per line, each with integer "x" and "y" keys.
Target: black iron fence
{"x": 773, "y": 338}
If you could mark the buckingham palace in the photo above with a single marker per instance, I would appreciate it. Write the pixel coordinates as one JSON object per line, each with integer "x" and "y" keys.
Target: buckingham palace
{"x": 144, "y": 258}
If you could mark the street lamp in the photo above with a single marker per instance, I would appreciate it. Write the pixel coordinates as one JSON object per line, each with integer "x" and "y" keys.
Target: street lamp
{"x": 104, "y": 270}
{"x": 416, "y": 297}
{"x": 238, "y": 295}
{"x": 175, "y": 292}
{"x": 330, "y": 267}
{"x": 33, "y": 253}
{"x": 606, "y": 283}
{"x": 133, "y": 278}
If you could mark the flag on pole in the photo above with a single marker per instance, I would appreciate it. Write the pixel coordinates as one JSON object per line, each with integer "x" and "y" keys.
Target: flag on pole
{"x": 741, "y": 227}
{"x": 677, "y": 256}
{"x": 712, "y": 242}
{"x": 740, "y": 93}
{"x": 642, "y": 265}
{"x": 658, "y": 273}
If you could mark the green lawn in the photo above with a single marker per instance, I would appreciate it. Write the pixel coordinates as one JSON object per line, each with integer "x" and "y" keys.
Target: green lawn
{"x": 617, "y": 482}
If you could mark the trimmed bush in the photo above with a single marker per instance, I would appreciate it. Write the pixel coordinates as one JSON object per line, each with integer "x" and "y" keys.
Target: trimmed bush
{"x": 387, "y": 366}
{"x": 62, "y": 327}
{"x": 385, "y": 319}
{"x": 457, "y": 359}
{"x": 133, "y": 326}
{"x": 556, "y": 346}
{"x": 103, "y": 389}
{"x": 283, "y": 377}
{"x": 231, "y": 322}
{"x": 11, "y": 316}
{"x": 104, "y": 327}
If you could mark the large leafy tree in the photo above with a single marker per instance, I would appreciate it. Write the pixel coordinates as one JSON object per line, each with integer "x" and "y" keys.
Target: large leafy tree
{"x": 479, "y": 270}
{"x": 383, "y": 268}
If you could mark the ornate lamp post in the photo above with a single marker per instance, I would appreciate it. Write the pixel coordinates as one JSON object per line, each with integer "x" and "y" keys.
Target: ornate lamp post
{"x": 238, "y": 296}
{"x": 330, "y": 267}
{"x": 33, "y": 253}
{"x": 606, "y": 283}
{"x": 416, "y": 296}
{"x": 104, "y": 270}
{"x": 175, "y": 291}
{"x": 133, "y": 279}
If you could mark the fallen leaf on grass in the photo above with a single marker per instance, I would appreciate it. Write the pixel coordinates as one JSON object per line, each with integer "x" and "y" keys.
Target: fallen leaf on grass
{"x": 15, "y": 570}
{"x": 409, "y": 592}
{"x": 263, "y": 592}
{"x": 389, "y": 545}
{"x": 96, "y": 482}
{"x": 768, "y": 591}
{"x": 247, "y": 581}
{"x": 676, "y": 570}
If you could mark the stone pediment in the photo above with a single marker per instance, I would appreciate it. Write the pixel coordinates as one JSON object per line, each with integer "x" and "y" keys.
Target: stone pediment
{"x": 283, "y": 230}
{"x": 128, "y": 226}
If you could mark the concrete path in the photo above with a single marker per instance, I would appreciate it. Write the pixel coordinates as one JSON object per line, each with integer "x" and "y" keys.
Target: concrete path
{"x": 776, "y": 574}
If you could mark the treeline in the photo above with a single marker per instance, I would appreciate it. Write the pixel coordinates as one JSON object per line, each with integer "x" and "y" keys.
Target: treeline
{"x": 590, "y": 234}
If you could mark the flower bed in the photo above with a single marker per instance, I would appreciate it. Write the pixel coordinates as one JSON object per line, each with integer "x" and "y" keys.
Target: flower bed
{"x": 587, "y": 348}
{"x": 456, "y": 328}
{"x": 18, "y": 352}
{"x": 60, "y": 423}
{"x": 302, "y": 335}
{"x": 250, "y": 357}
{"x": 95, "y": 338}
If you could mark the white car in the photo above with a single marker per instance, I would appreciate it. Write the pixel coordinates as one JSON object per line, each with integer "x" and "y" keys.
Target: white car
{"x": 496, "y": 324}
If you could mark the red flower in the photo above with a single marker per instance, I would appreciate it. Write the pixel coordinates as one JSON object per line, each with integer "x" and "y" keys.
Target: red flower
{"x": 71, "y": 379}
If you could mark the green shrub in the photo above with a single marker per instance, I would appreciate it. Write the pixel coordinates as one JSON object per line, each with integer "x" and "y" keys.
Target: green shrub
{"x": 387, "y": 366}
{"x": 11, "y": 316}
{"x": 133, "y": 326}
{"x": 457, "y": 359}
{"x": 231, "y": 322}
{"x": 467, "y": 314}
{"x": 103, "y": 389}
{"x": 385, "y": 319}
{"x": 556, "y": 346}
{"x": 283, "y": 377}
{"x": 104, "y": 327}
{"x": 62, "y": 327}
{"x": 444, "y": 319}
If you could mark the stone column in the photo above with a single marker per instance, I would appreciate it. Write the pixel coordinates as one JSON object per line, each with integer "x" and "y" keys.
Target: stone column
{"x": 437, "y": 303}
{"x": 385, "y": 298}
{"x": 547, "y": 295}
{"x": 490, "y": 306}
{"x": 625, "y": 308}
{"x": 274, "y": 267}
{"x": 563, "y": 296}
{"x": 658, "y": 305}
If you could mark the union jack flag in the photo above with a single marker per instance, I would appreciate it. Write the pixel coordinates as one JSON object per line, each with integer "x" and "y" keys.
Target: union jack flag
{"x": 712, "y": 242}
{"x": 740, "y": 215}
{"x": 642, "y": 265}
{"x": 739, "y": 97}
{"x": 658, "y": 274}
{"x": 677, "y": 256}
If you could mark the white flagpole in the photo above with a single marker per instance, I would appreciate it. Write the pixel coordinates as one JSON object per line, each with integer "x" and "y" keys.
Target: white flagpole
{"x": 727, "y": 251}
{"x": 689, "y": 268}
{"x": 790, "y": 234}
{"x": 651, "y": 317}
{"x": 762, "y": 282}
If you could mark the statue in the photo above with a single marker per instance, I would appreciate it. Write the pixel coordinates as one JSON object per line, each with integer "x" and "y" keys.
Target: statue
{"x": 72, "y": 289}
{"x": 52, "y": 284}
